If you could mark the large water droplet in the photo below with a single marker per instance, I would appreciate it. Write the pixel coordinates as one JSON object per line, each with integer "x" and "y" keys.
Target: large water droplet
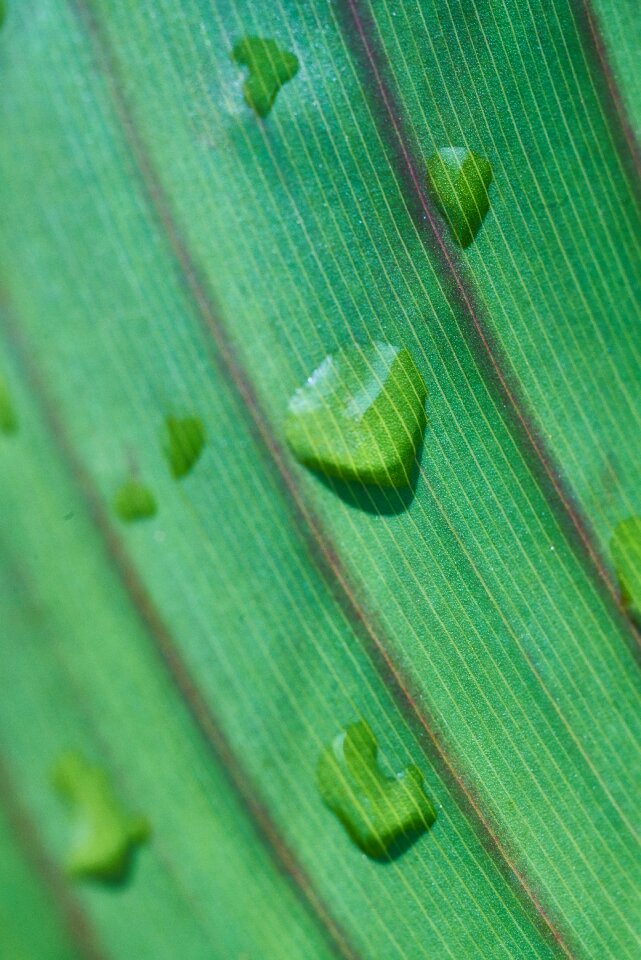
{"x": 360, "y": 416}
{"x": 269, "y": 68}
{"x": 134, "y": 501}
{"x": 381, "y": 814}
{"x": 184, "y": 441}
{"x": 8, "y": 418}
{"x": 626, "y": 554}
{"x": 105, "y": 835}
{"x": 459, "y": 181}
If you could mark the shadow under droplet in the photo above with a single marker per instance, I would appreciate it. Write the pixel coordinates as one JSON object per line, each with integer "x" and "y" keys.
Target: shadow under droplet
{"x": 381, "y": 501}
{"x": 115, "y": 882}
{"x": 400, "y": 846}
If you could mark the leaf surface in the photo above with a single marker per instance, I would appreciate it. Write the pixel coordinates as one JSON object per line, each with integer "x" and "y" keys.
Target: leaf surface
{"x": 167, "y": 253}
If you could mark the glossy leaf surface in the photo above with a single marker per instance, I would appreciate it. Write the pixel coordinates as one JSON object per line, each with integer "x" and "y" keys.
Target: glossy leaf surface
{"x": 166, "y": 248}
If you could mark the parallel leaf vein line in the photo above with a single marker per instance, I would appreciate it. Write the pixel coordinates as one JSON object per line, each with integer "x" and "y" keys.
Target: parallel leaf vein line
{"x": 237, "y": 376}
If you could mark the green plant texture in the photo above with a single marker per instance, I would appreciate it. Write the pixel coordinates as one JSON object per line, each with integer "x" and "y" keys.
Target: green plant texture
{"x": 320, "y": 542}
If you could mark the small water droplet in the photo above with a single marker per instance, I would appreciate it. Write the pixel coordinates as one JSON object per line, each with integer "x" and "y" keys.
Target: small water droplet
{"x": 105, "y": 835}
{"x": 8, "y": 418}
{"x": 381, "y": 814}
{"x": 459, "y": 181}
{"x": 184, "y": 441}
{"x": 134, "y": 501}
{"x": 626, "y": 554}
{"x": 269, "y": 68}
{"x": 360, "y": 416}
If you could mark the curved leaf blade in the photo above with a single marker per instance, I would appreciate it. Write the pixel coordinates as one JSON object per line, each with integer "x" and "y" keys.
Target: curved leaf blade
{"x": 475, "y": 629}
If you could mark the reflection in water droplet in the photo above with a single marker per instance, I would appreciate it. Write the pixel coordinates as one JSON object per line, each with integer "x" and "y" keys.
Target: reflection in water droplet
{"x": 381, "y": 814}
{"x": 105, "y": 836}
{"x": 360, "y": 416}
{"x": 626, "y": 554}
{"x": 8, "y": 418}
{"x": 185, "y": 439}
{"x": 269, "y": 68}
{"x": 134, "y": 501}
{"x": 459, "y": 181}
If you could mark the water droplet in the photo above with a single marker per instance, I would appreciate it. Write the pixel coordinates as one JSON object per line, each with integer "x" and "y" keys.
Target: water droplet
{"x": 269, "y": 68}
{"x": 626, "y": 554}
{"x": 134, "y": 501}
{"x": 381, "y": 814}
{"x": 360, "y": 416}
{"x": 105, "y": 835}
{"x": 8, "y": 418}
{"x": 185, "y": 439}
{"x": 459, "y": 181}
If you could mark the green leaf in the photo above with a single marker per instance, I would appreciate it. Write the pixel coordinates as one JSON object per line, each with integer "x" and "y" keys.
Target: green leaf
{"x": 26, "y": 895}
{"x": 163, "y": 247}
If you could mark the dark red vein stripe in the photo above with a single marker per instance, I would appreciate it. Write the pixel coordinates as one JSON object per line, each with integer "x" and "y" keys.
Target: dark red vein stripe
{"x": 178, "y": 672}
{"x": 75, "y": 920}
{"x": 317, "y": 543}
{"x": 22, "y": 586}
{"x": 611, "y": 97}
{"x": 344, "y": 594}
{"x": 388, "y": 116}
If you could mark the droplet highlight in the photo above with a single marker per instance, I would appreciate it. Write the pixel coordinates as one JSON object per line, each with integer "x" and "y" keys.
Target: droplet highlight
{"x": 183, "y": 443}
{"x": 626, "y": 555}
{"x": 8, "y": 418}
{"x": 134, "y": 501}
{"x": 105, "y": 835}
{"x": 459, "y": 181}
{"x": 269, "y": 69}
{"x": 380, "y": 813}
{"x": 360, "y": 416}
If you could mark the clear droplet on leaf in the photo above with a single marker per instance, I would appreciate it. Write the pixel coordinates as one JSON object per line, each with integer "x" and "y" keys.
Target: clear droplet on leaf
{"x": 8, "y": 418}
{"x": 360, "y": 416}
{"x": 269, "y": 68}
{"x": 105, "y": 835}
{"x": 459, "y": 180}
{"x": 134, "y": 501}
{"x": 184, "y": 441}
{"x": 626, "y": 555}
{"x": 380, "y": 813}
